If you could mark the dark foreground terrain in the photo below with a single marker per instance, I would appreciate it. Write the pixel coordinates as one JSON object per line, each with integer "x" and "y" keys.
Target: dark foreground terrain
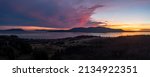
{"x": 77, "y": 48}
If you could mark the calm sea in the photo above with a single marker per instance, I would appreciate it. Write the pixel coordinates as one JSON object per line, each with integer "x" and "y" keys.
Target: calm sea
{"x": 56, "y": 35}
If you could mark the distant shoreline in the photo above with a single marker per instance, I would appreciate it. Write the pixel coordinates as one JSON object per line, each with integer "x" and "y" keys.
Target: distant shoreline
{"x": 59, "y": 35}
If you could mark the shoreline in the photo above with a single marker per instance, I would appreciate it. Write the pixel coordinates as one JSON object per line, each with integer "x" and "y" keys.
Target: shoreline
{"x": 58, "y": 35}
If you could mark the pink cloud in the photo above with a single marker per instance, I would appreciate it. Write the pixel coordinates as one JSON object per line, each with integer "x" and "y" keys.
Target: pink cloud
{"x": 58, "y": 13}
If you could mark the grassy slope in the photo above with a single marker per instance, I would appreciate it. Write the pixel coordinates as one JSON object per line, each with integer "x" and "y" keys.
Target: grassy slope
{"x": 77, "y": 48}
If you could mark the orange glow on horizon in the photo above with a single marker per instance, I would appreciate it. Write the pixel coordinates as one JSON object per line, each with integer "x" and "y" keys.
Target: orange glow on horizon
{"x": 130, "y": 27}
{"x": 127, "y": 25}
{"x": 30, "y": 28}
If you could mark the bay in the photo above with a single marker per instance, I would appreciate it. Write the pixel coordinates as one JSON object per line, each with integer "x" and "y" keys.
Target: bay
{"x": 58, "y": 35}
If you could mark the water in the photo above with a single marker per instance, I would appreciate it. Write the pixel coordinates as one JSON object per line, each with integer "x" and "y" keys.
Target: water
{"x": 56, "y": 35}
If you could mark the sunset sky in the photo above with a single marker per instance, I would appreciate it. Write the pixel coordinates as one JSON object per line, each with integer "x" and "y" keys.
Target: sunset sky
{"x": 133, "y": 15}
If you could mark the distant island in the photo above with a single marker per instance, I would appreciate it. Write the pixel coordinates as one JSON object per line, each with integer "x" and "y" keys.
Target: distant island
{"x": 13, "y": 30}
{"x": 90, "y": 30}
{"x": 21, "y": 30}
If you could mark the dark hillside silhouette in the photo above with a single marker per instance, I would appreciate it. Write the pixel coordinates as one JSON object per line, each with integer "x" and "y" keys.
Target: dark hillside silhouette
{"x": 76, "y": 48}
{"x": 12, "y": 47}
{"x": 98, "y": 48}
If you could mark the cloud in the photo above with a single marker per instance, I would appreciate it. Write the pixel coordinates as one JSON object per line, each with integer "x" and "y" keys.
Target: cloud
{"x": 48, "y": 13}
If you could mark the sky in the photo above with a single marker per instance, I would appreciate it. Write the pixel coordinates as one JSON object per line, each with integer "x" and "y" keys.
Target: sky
{"x": 131, "y": 15}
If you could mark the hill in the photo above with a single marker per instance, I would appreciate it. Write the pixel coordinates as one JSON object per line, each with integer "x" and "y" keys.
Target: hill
{"x": 13, "y": 30}
{"x": 76, "y": 48}
{"x": 89, "y": 30}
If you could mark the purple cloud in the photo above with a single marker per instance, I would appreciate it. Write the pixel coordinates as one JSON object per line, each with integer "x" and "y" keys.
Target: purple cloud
{"x": 48, "y": 13}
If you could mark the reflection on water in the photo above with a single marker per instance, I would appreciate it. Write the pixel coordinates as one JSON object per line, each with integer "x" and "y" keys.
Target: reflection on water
{"x": 117, "y": 34}
{"x": 56, "y": 35}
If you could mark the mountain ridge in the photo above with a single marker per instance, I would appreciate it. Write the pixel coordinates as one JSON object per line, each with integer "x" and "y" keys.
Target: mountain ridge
{"x": 89, "y": 30}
